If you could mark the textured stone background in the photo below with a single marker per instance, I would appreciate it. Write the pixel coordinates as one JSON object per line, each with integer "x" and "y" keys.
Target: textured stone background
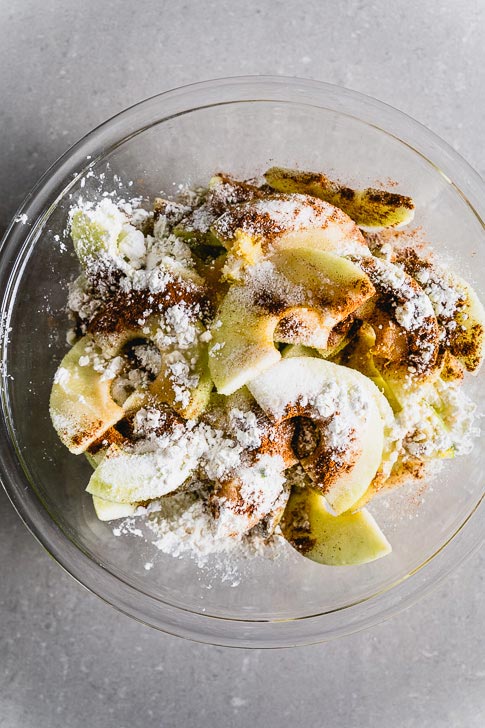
{"x": 66, "y": 659}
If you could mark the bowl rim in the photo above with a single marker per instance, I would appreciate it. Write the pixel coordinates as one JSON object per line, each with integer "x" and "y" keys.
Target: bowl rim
{"x": 15, "y": 244}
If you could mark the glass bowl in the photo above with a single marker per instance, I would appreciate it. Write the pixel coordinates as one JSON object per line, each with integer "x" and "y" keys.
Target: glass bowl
{"x": 240, "y": 126}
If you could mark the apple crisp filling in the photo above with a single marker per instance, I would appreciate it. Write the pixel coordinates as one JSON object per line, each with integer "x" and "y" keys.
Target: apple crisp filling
{"x": 264, "y": 357}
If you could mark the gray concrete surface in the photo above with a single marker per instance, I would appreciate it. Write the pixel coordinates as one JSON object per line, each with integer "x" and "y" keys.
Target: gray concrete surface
{"x": 66, "y": 659}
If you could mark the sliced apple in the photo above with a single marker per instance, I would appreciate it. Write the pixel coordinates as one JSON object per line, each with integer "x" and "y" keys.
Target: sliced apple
{"x": 345, "y": 540}
{"x": 94, "y": 460}
{"x": 293, "y": 350}
{"x": 467, "y": 340}
{"x": 436, "y": 421}
{"x": 184, "y": 381}
{"x": 104, "y": 230}
{"x": 292, "y": 221}
{"x": 127, "y": 477}
{"x": 81, "y": 405}
{"x": 408, "y": 335}
{"x": 332, "y": 286}
{"x": 312, "y": 286}
{"x": 456, "y": 305}
{"x": 348, "y": 413}
{"x": 360, "y": 357}
{"x": 372, "y": 209}
{"x": 223, "y": 192}
{"x": 242, "y": 345}
{"x": 109, "y": 511}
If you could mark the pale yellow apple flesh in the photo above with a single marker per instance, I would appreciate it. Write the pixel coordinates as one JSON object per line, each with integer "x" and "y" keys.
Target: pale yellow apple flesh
{"x": 164, "y": 387}
{"x": 345, "y": 540}
{"x": 295, "y": 387}
{"x": 311, "y": 283}
{"x": 293, "y": 350}
{"x": 107, "y": 510}
{"x": 81, "y": 405}
{"x": 125, "y": 477}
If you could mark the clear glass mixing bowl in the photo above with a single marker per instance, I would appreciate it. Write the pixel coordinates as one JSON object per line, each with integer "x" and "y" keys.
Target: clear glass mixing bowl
{"x": 240, "y": 126}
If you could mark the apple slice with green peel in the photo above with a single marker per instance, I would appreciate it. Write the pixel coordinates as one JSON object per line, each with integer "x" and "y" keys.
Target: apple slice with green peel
{"x": 128, "y": 477}
{"x": 348, "y": 416}
{"x": 109, "y": 511}
{"x": 306, "y": 285}
{"x": 345, "y": 540}
{"x": 370, "y": 208}
{"x": 81, "y": 405}
{"x": 292, "y": 221}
